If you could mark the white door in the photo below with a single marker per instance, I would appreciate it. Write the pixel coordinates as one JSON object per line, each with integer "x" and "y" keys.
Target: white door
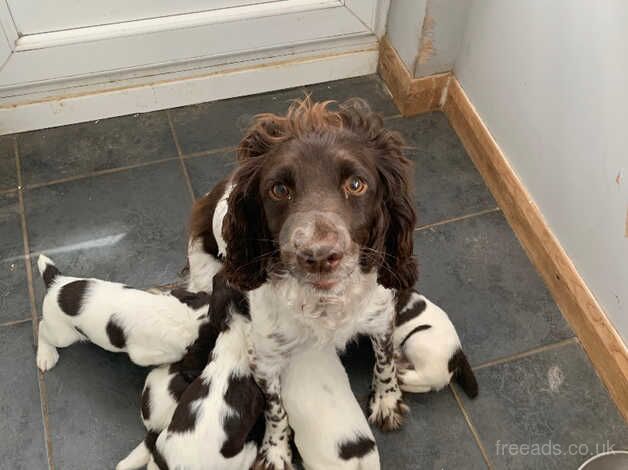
{"x": 54, "y": 46}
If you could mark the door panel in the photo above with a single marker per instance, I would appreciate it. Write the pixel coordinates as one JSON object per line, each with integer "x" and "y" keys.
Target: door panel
{"x": 171, "y": 38}
{"x": 41, "y": 16}
{"x": 164, "y": 46}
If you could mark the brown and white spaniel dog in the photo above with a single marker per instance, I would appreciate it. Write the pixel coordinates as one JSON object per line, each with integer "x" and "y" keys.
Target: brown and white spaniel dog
{"x": 316, "y": 224}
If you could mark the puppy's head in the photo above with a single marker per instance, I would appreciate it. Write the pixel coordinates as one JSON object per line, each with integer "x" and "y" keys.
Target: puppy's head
{"x": 320, "y": 195}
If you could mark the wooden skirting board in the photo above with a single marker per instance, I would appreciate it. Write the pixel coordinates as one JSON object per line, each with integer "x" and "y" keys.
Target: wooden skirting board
{"x": 411, "y": 95}
{"x": 600, "y": 340}
{"x": 596, "y": 334}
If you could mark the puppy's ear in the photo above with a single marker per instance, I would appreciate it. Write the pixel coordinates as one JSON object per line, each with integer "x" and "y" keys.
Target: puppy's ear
{"x": 393, "y": 229}
{"x": 244, "y": 228}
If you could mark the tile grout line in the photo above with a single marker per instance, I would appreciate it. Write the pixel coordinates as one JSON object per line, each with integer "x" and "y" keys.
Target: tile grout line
{"x": 43, "y": 399}
{"x": 392, "y": 117}
{"x": 179, "y": 150}
{"x": 457, "y": 219}
{"x": 206, "y": 153}
{"x": 184, "y": 169}
{"x": 108, "y": 171}
{"x": 16, "y": 322}
{"x": 25, "y": 240}
{"x": 529, "y": 352}
{"x": 180, "y": 155}
{"x": 471, "y": 427}
{"x": 7, "y": 191}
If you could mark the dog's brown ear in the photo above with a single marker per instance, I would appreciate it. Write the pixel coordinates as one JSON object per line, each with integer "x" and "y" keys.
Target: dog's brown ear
{"x": 393, "y": 231}
{"x": 244, "y": 228}
{"x": 245, "y": 231}
{"x": 399, "y": 267}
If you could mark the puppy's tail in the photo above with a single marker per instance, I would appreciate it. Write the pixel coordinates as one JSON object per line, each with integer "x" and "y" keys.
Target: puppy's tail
{"x": 463, "y": 375}
{"x": 47, "y": 269}
{"x": 138, "y": 458}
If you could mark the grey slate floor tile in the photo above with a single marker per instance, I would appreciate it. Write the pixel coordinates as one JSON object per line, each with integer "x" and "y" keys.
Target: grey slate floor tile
{"x": 14, "y": 301}
{"x": 554, "y": 399}
{"x": 68, "y": 151}
{"x": 478, "y": 273}
{"x": 370, "y": 88}
{"x": 128, "y": 227}
{"x": 205, "y": 172}
{"x": 22, "y": 445}
{"x": 434, "y": 435}
{"x": 93, "y": 407}
{"x": 446, "y": 182}
{"x": 8, "y": 172}
{"x": 219, "y": 124}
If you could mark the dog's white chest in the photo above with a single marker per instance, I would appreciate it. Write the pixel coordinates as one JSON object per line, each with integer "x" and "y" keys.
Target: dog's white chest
{"x": 293, "y": 318}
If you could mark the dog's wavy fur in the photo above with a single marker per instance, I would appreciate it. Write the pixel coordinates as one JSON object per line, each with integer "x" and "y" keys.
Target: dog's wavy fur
{"x": 238, "y": 216}
{"x": 245, "y": 229}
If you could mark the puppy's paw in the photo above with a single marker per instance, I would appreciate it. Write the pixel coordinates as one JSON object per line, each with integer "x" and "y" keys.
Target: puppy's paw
{"x": 410, "y": 381}
{"x": 415, "y": 388}
{"x": 274, "y": 457}
{"x": 47, "y": 356}
{"x": 386, "y": 410}
{"x": 405, "y": 374}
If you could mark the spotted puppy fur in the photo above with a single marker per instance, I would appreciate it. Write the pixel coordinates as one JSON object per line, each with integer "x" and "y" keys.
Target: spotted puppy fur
{"x": 330, "y": 429}
{"x": 218, "y": 420}
{"x": 164, "y": 387}
{"x": 152, "y": 329}
{"x": 428, "y": 347}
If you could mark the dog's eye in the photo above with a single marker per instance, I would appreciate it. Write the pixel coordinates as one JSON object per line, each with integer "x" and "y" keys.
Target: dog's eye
{"x": 280, "y": 191}
{"x": 355, "y": 186}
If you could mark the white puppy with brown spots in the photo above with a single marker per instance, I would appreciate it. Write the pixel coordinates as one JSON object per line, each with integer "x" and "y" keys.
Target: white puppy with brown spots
{"x": 215, "y": 421}
{"x": 330, "y": 429}
{"x": 152, "y": 328}
{"x": 163, "y": 388}
{"x": 218, "y": 416}
{"x": 428, "y": 347}
{"x": 317, "y": 390}
{"x": 212, "y": 425}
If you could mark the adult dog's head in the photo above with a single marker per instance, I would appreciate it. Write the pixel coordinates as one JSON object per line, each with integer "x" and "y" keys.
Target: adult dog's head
{"x": 320, "y": 195}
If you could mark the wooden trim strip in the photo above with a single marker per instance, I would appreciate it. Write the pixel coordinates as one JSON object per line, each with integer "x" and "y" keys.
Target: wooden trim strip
{"x": 600, "y": 340}
{"x": 411, "y": 95}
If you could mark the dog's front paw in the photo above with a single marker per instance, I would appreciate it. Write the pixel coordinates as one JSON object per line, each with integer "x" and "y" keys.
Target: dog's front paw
{"x": 47, "y": 356}
{"x": 274, "y": 456}
{"x": 386, "y": 410}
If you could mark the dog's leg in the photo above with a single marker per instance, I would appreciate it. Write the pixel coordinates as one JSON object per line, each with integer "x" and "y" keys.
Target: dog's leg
{"x": 138, "y": 457}
{"x": 53, "y": 335}
{"x": 152, "y": 465}
{"x": 411, "y": 381}
{"x": 275, "y": 452}
{"x": 386, "y": 407}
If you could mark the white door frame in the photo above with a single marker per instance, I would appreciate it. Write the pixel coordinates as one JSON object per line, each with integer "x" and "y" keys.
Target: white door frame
{"x": 201, "y": 58}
